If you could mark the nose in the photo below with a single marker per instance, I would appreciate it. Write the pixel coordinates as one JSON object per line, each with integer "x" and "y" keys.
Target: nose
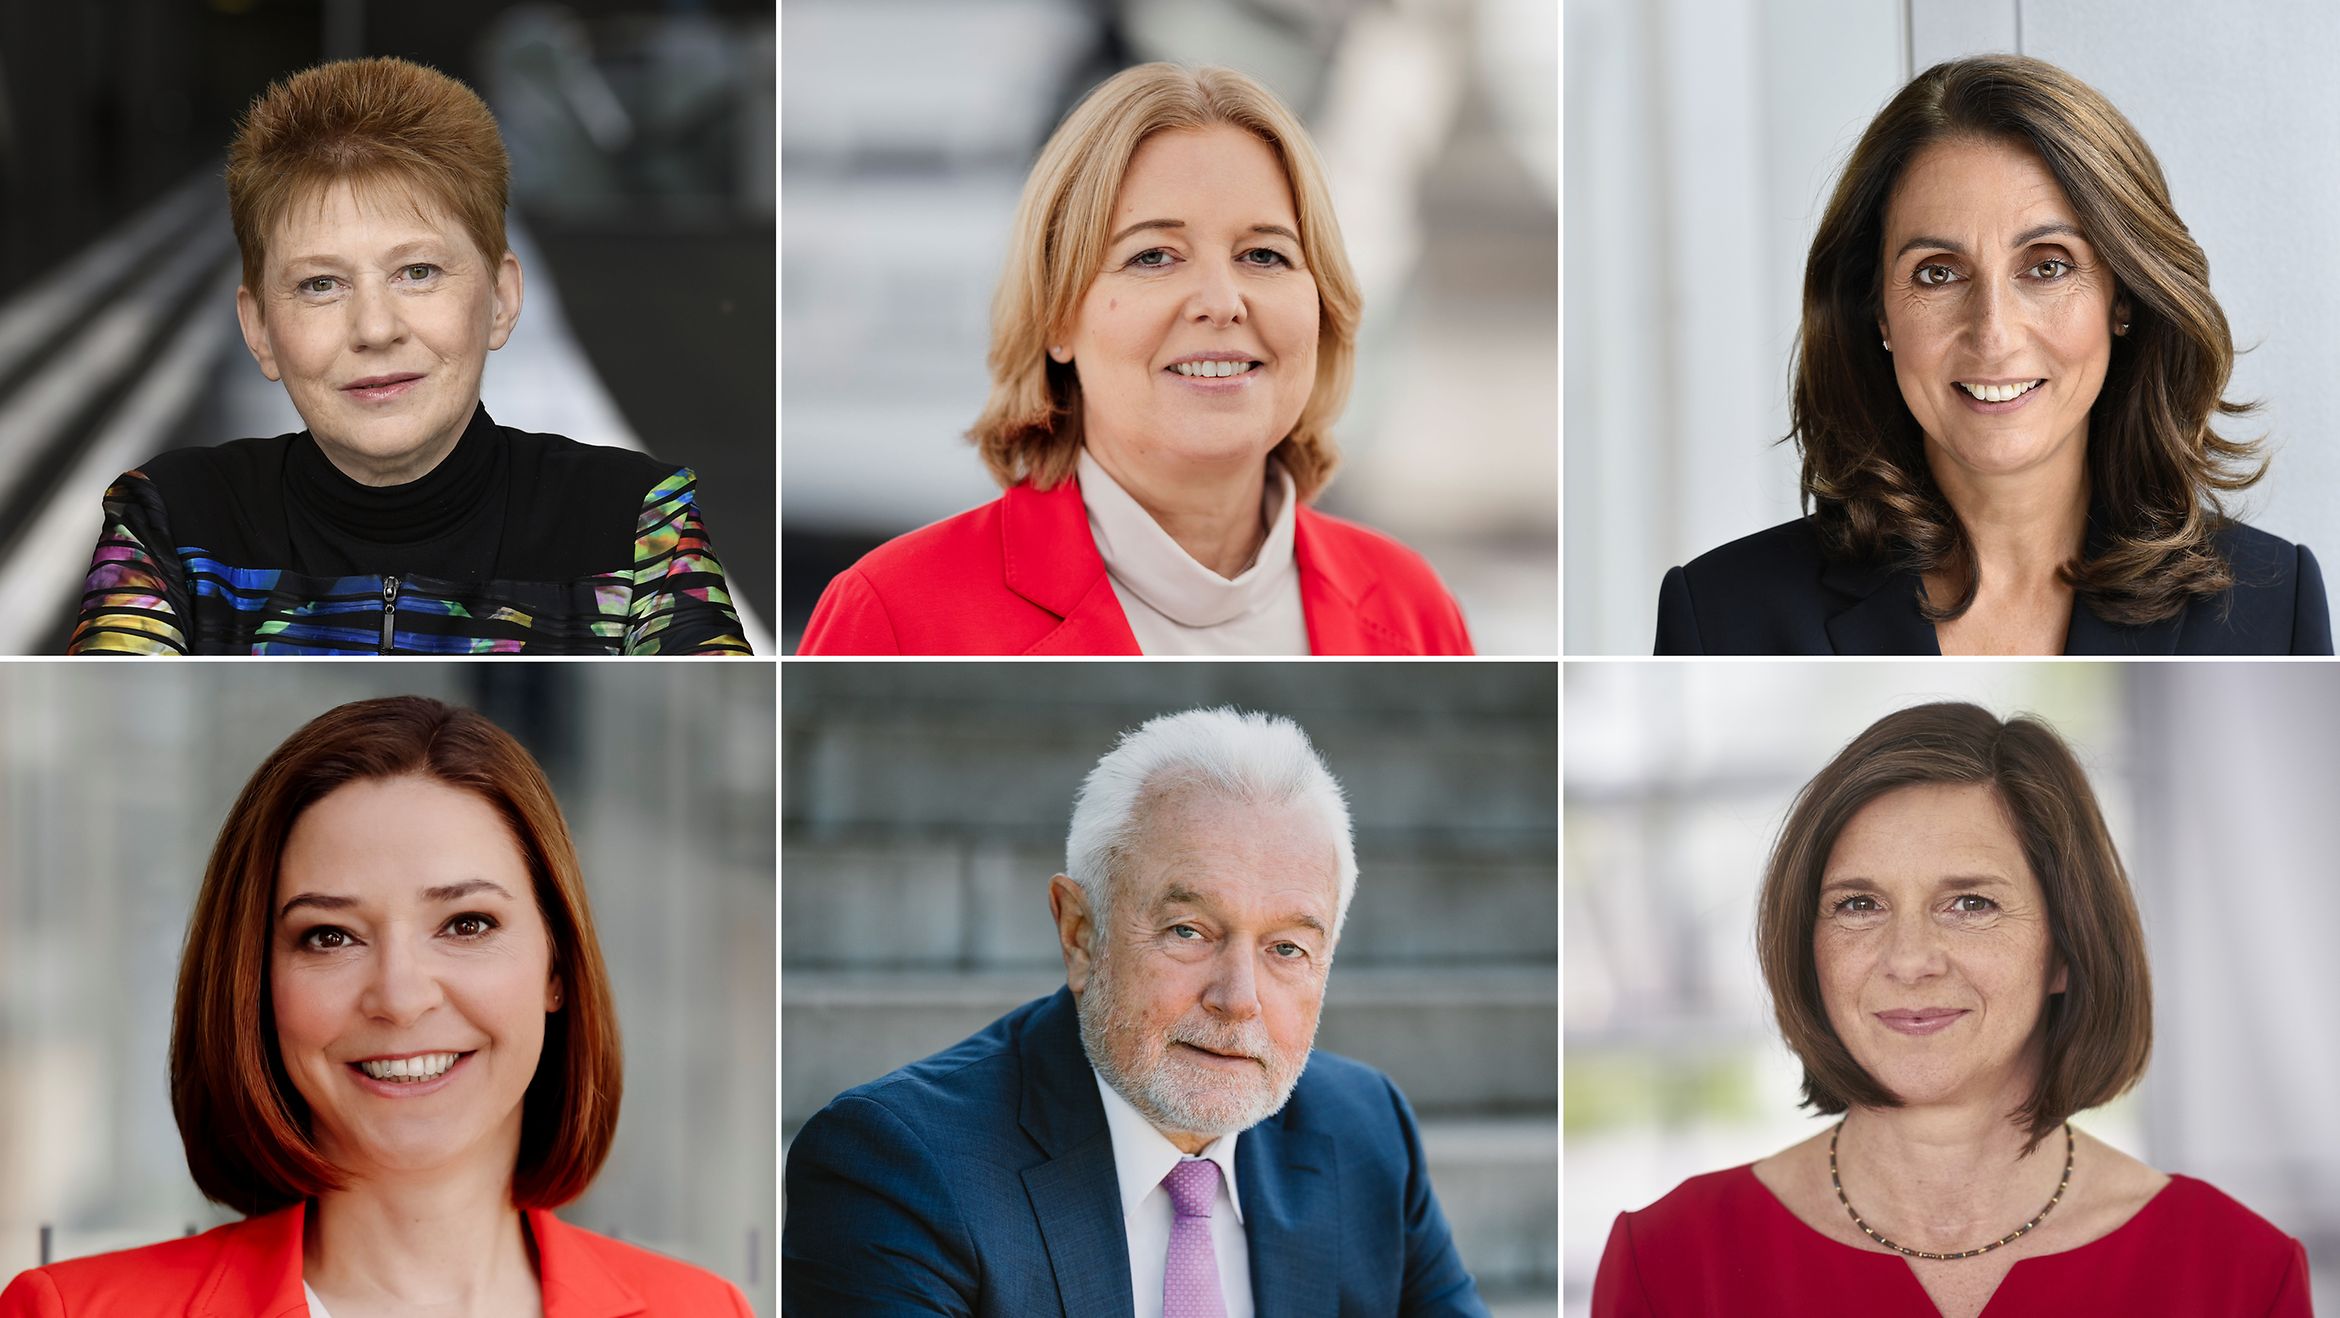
{"x": 1997, "y": 325}
{"x": 401, "y": 989}
{"x": 1217, "y": 299}
{"x": 374, "y": 320}
{"x": 1233, "y": 993}
{"x": 1913, "y": 950}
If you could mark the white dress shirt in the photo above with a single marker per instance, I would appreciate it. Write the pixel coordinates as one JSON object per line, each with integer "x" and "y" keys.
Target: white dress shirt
{"x": 317, "y": 1306}
{"x": 1174, "y": 604}
{"x": 1141, "y": 1158}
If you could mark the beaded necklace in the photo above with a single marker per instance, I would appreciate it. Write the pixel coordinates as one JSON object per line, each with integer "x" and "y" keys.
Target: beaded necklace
{"x": 2008, "y": 1239}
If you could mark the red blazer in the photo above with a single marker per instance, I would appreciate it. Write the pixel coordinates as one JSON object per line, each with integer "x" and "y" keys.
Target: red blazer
{"x": 1021, "y": 575}
{"x": 252, "y": 1269}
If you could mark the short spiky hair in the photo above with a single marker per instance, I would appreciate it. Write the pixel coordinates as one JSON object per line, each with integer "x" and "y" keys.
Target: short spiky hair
{"x": 1250, "y": 757}
{"x": 384, "y": 126}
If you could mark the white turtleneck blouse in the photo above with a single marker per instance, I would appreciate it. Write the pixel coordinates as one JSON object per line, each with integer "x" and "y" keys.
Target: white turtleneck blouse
{"x": 1175, "y": 605}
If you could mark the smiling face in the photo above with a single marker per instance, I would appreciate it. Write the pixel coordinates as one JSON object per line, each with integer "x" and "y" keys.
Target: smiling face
{"x": 377, "y": 313}
{"x": 2000, "y": 315}
{"x": 410, "y": 972}
{"x": 1196, "y": 342}
{"x": 1933, "y": 949}
{"x": 1201, "y": 1000}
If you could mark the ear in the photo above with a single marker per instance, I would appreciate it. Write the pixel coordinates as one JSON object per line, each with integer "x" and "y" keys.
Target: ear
{"x": 1076, "y": 931}
{"x": 552, "y": 993}
{"x": 2061, "y": 979}
{"x": 2120, "y": 316}
{"x": 505, "y": 307}
{"x": 255, "y": 332}
{"x": 1060, "y": 354}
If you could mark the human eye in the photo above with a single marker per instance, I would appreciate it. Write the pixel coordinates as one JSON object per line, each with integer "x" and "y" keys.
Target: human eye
{"x": 2053, "y": 268}
{"x": 1287, "y": 950}
{"x": 1185, "y": 933}
{"x": 472, "y": 925}
{"x": 1981, "y": 905}
{"x": 325, "y": 938}
{"x": 1933, "y": 274}
{"x": 1153, "y": 258}
{"x": 421, "y": 272}
{"x": 317, "y": 286}
{"x": 1275, "y": 260}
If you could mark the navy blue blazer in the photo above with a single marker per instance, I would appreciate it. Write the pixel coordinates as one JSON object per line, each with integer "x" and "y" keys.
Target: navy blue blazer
{"x": 1774, "y": 592}
{"x": 980, "y": 1181}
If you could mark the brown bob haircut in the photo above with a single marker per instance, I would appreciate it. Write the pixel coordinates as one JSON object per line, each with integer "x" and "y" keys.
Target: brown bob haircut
{"x": 1030, "y": 428}
{"x": 394, "y": 130}
{"x": 246, "y": 1128}
{"x": 2155, "y": 466}
{"x": 2099, "y": 1030}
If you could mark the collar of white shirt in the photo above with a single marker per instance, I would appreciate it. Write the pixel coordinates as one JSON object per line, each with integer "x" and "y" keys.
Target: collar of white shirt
{"x": 1142, "y": 1155}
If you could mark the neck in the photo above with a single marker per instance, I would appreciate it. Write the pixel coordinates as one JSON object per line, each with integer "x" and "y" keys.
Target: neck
{"x": 454, "y": 1242}
{"x": 1942, "y": 1178}
{"x": 404, "y": 470}
{"x": 2023, "y": 527}
{"x": 1214, "y": 512}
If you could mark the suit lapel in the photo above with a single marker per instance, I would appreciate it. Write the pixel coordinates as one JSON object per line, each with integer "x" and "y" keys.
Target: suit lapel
{"x": 1291, "y": 1191}
{"x": 258, "y": 1271}
{"x": 1879, "y": 614}
{"x": 1341, "y": 600}
{"x": 1051, "y": 560}
{"x": 1075, "y": 1197}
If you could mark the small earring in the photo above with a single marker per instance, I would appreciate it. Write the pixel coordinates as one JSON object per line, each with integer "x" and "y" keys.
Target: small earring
{"x": 2123, "y": 329}
{"x": 1888, "y": 344}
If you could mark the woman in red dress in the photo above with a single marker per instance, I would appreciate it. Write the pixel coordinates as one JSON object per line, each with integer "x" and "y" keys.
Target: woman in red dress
{"x": 1954, "y": 955}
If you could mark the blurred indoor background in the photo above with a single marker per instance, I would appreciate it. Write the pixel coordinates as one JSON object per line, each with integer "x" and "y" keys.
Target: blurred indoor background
{"x": 642, "y": 141}
{"x": 924, "y": 811}
{"x": 114, "y": 781}
{"x": 907, "y": 130}
{"x": 2216, "y": 781}
{"x": 1703, "y": 138}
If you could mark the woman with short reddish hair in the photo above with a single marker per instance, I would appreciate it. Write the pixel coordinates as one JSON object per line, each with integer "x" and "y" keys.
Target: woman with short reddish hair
{"x": 394, "y": 1048}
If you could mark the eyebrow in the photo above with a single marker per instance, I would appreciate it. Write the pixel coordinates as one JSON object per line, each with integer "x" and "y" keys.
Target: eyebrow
{"x": 1181, "y": 895}
{"x": 395, "y": 254}
{"x": 2052, "y": 228}
{"x": 1862, "y": 883}
{"x": 1277, "y": 229}
{"x": 445, "y": 892}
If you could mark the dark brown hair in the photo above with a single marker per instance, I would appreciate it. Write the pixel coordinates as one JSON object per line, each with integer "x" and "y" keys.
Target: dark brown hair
{"x": 2099, "y": 1030}
{"x": 382, "y": 125}
{"x": 2155, "y": 466}
{"x": 246, "y": 1128}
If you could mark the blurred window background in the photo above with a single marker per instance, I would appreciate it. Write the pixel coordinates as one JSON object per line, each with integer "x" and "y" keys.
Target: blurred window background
{"x": 2215, "y": 780}
{"x": 642, "y": 137}
{"x": 1703, "y": 137}
{"x": 908, "y": 128}
{"x": 113, "y": 783}
{"x": 925, "y": 809}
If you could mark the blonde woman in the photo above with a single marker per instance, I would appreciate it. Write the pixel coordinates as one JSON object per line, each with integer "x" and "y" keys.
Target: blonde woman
{"x": 1172, "y": 338}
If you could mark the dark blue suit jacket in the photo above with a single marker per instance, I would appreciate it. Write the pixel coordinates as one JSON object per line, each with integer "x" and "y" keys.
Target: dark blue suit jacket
{"x": 980, "y": 1181}
{"x": 1774, "y": 592}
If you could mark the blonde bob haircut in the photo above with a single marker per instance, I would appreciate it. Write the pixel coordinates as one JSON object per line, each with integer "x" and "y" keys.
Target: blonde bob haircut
{"x": 391, "y": 129}
{"x": 1031, "y": 427}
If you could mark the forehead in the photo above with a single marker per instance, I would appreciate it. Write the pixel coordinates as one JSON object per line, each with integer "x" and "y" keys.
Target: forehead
{"x": 353, "y": 217}
{"x": 1969, "y": 187}
{"x": 391, "y": 834}
{"x": 1237, "y": 854}
{"x": 1927, "y": 831}
{"x": 1187, "y": 172}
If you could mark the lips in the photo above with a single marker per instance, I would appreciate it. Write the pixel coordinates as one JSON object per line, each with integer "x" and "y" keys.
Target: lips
{"x": 1920, "y": 1020}
{"x": 378, "y": 388}
{"x": 1215, "y": 1055}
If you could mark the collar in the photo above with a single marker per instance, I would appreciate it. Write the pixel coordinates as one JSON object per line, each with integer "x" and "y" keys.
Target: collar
{"x": 1142, "y": 1155}
{"x": 418, "y": 511}
{"x": 1146, "y": 561}
{"x": 257, "y": 1273}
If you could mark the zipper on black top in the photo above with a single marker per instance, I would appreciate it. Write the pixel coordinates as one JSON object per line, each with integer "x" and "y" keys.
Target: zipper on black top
{"x": 389, "y": 609}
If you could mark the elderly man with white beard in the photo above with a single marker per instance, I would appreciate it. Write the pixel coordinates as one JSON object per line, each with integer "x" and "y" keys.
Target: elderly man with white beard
{"x": 1156, "y": 1139}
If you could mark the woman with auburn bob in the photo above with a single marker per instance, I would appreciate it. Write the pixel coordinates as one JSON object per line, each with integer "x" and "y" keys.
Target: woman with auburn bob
{"x": 1953, "y": 953}
{"x": 368, "y": 200}
{"x": 394, "y": 1049}
{"x": 1172, "y": 338}
{"x": 2004, "y": 387}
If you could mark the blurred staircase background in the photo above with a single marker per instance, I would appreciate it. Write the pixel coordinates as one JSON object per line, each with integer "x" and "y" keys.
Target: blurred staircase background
{"x": 923, "y": 811}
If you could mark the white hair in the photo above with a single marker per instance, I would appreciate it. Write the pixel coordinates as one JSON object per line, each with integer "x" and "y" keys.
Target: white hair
{"x": 1258, "y": 758}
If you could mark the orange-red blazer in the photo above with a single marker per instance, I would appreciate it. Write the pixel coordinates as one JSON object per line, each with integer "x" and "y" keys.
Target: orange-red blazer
{"x": 1021, "y": 575}
{"x": 252, "y": 1269}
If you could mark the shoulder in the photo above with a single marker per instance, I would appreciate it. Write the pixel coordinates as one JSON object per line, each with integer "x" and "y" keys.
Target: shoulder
{"x": 1761, "y": 593}
{"x": 587, "y": 469}
{"x": 960, "y": 546}
{"x": 2201, "y": 1211}
{"x": 943, "y": 588}
{"x": 1692, "y": 1208}
{"x": 1355, "y": 1105}
{"x": 939, "y": 1107}
{"x": 227, "y": 498}
{"x": 2266, "y": 565}
{"x": 1395, "y": 563}
{"x": 156, "y": 1279}
{"x": 1395, "y": 586}
{"x": 243, "y": 466}
{"x": 2275, "y": 606}
{"x": 585, "y": 1264}
{"x": 1789, "y": 551}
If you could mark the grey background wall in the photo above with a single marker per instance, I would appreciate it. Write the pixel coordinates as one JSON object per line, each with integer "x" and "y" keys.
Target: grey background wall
{"x": 924, "y": 810}
{"x": 113, "y": 783}
{"x": 1701, "y": 139}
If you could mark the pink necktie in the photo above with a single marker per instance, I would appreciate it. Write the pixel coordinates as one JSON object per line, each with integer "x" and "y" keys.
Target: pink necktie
{"x": 1190, "y": 1282}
